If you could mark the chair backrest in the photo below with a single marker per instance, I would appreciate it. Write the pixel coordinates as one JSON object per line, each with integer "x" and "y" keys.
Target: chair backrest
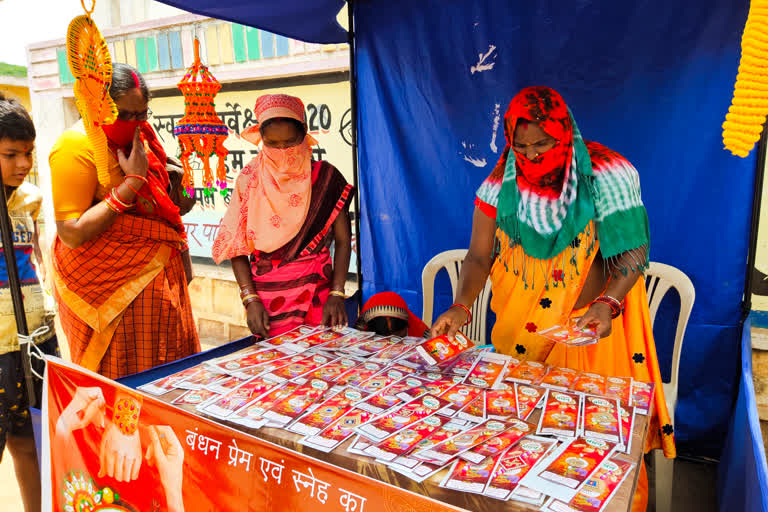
{"x": 659, "y": 279}
{"x": 451, "y": 261}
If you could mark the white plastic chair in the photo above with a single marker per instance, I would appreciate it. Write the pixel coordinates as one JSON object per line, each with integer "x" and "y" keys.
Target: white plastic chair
{"x": 659, "y": 279}
{"x": 451, "y": 261}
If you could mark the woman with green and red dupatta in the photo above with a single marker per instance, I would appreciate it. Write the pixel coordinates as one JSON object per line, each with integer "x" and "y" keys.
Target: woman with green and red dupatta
{"x": 286, "y": 212}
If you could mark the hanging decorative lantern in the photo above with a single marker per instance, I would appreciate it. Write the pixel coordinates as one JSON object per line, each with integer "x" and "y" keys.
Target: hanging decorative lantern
{"x": 201, "y": 131}
{"x": 91, "y": 65}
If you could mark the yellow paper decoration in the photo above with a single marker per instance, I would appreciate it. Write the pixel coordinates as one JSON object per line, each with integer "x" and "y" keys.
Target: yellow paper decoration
{"x": 749, "y": 107}
{"x": 91, "y": 65}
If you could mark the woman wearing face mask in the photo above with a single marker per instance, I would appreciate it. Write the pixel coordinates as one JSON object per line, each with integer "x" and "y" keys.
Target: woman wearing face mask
{"x": 119, "y": 257}
{"x": 285, "y": 212}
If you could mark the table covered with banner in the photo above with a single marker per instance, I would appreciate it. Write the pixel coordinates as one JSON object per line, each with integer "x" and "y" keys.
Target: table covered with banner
{"x": 343, "y": 421}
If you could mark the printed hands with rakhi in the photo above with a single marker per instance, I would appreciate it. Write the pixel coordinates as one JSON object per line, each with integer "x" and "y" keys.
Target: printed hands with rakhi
{"x": 598, "y": 317}
{"x": 165, "y": 452}
{"x": 120, "y": 454}
{"x": 87, "y": 406}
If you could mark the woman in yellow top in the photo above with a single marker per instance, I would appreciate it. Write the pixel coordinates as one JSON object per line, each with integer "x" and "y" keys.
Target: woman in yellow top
{"x": 560, "y": 228}
{"x": 121, "y": 258}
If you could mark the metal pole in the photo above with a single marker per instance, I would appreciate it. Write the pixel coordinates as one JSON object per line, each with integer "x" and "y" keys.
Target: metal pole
{"x": 355, "y": 168}
{"x": 762, "y": 148}
{"x": 6, "y": 231}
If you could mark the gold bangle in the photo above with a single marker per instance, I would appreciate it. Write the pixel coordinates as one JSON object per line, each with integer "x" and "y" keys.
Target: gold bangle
{"x": 251, "y": 296}
{"x": 337, "y": 293}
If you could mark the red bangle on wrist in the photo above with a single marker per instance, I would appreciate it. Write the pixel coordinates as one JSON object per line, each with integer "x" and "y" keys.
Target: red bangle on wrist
{"x": 466, "y": 310}
{"x": 617, "y": 307}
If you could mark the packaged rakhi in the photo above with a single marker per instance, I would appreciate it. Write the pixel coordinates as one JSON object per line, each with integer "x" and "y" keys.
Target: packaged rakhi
{"x": 489, "y": 369}
{"x": 443, "y": 348}
{"x": 423, "y": 471}
{"x": 237, "y": 398}
{"x": 460, "y": 443}
{"x": 464, "y": 363}
{"x": 227, "y": 384}
{"x": 299, "y": 366}
{"x": 514, "y": 464}
{"x": 601, "y": 419}
{"x": 589, "y": 383}
{"x": 570, "y": 335}
{"x": 528, "y": 397}
{"x": 371, "y": 346}
{"x": 435, "y": 387}
{"x": 392, "y": 352}
{"x": 321, "y": 338}
{"x": 338, "y": 432}
{"x": 527, "y": 372}
{"x": 194, "y": 397}
{"x": 467, "y": 477}
{"x": 627, "y": 427}
{"x": 347, "y": 341}
{"x": 200, "y": 380}
{"x": 403, "y": 441}
{"x": 642, "y": 396}
{"x": 252, "y": 414}
{"x": 381, "y": 380}
{"x": 501, "y": 404}
{"x": 166, "y": 384}
{"x": 401, "y": 417}
{"x": 387, "y": 398}
{"x": 516, "y": 430}
{"x": 360, "y": 375}
{"x": 560, "y": 379}
{"x": 288, "y": 408}
{"x": 474, "y": 411}
{"x": 620, "y": 388}
{"x": 289, "y": 337}
{"x": 331, "y": 409}
{"x": 332, "y": 371}
{"x": 458, "y": 397}
{"x": 595, "y": 495}
{"x": 561, "y": 415}
{"x": 448, "y": 430}
{"x": 577, "y": 462}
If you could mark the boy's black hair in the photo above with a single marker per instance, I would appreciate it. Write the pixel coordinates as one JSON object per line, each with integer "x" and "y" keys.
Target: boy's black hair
{"x": 15, "y": 122}
{"x": 123, "y": 81}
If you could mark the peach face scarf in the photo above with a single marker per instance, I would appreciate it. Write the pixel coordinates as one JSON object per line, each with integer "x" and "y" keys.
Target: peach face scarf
{"x": 272, "y": 193}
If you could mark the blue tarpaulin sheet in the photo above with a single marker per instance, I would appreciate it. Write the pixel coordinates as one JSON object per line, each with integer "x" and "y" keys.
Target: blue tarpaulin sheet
{"x": 743, "y": 473}
{"x": 650, "y": 79}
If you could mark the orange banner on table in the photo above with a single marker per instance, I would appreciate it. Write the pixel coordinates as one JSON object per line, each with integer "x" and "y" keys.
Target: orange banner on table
{"x": 107, "y": 447}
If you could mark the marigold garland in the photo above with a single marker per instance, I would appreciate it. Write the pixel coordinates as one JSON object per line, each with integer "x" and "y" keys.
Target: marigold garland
{"x": 91, "y": 65}
{"x": 201, "y": 130}
{"x": 746, "y": 115}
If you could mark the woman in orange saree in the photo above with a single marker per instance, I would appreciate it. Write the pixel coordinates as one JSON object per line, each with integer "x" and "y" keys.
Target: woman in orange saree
{"x": 121, "y": 260}
{"x": 560, "y": 228}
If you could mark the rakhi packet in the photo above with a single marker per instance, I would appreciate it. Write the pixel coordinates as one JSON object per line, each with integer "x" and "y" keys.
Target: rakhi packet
{"x": 468, "y": 477}
{"x": 570, "y": 335}
{"x": 620, "y": 388}
{"x": 516, "y": 430}
{"x": 501, "y": 404}
{"x": 200, "y": 380}
{"x": 560, "y": 379}
{"x": 488, "y": 370}
{"x": 381, "y": 380}
{"x": 194, "y": 397}
{"x": 474, "y": 411}
{"x": 321, "y": 338}
{"x": 527, "y": 372}
{"x": 589, "y": 383}
{"x": 561, "y": 415}
{"x": 387, "y": 398}
{"x": 348, "y": 341}
{"x": 332, "y": 371}
{"x": 338, "y": 431}
{"x": 227, "y": 384}
{"x": 627, "y": 427}
{"x": 252, "y": 414}
{"x": 448, "y": 430}
{"x": 370, "y": 347}
{"x": 642, "y": 395}
{"x": 391, "y": 353}
{"x": 331, "y": 409}
{"x": 362, "y": 373}
{"x": 595, "y": 495}
{"x": 528, "y": 397}
{"x": 443, "y": 348}
{"x": 289, "y": 337}
{"x": 299, "y": 366}
{"x": 435, "y": 387}
{"x": 238, "y": 397}
{"x": 458, "y": 397}
{"x": 288, "y": 408}
{"x": 464, "y": 362}
{"x": 463, "y": 442}
{"x": 250, "y": 359}
{"x": 403, "y": 441}
{"x": 514, "y": 464}
{"x": 166, "y": 384}
{"x": 401, "y": 417}
{"x": 602, "y": 419}
{"x": 578, "y": 461}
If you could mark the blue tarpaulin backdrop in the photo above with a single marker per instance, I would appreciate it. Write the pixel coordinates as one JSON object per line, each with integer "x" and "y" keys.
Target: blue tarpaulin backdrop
{"x": 650, "y": 79}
